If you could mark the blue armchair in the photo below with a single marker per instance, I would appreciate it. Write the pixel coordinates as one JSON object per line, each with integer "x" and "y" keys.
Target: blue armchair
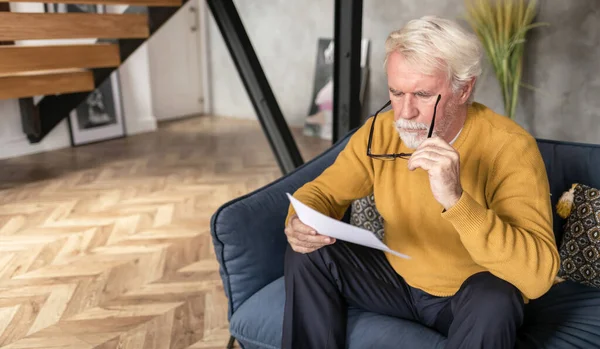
{"x": 249, "y": 243}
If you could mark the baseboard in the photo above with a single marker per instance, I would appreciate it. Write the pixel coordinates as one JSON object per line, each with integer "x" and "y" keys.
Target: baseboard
{"x": 20, "y": 146}
{"x": 58, "y": 139}
{"x": 140, "y": 126}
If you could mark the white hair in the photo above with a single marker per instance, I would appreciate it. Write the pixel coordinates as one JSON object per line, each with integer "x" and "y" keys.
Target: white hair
{"x": 432, "y": 44}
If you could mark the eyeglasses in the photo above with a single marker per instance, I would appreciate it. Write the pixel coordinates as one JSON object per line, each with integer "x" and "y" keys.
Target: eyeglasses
{"x": 405, "y": 156}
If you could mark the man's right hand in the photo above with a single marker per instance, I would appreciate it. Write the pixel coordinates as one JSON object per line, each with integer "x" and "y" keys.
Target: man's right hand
{"x": 303, "y": 238}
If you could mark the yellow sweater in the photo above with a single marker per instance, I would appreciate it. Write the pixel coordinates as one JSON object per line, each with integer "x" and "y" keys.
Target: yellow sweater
{"x": 502, "y": 223}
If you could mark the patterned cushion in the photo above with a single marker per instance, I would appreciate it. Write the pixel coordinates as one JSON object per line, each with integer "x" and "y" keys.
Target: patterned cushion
{"x": 364, "y": 214}
{"x": 580, "y": 248}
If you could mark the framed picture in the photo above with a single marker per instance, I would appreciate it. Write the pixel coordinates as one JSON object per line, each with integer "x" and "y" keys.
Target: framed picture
{"x": 100, "y": 116}
{"x": 319, "y": 122}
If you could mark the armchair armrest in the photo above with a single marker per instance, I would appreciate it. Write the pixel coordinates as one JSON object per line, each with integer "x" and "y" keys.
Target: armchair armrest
{"x": 247, "y": 232}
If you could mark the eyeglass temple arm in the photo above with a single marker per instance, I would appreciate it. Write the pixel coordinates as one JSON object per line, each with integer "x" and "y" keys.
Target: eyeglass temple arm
{"x": 433, "y": 119}
{"x": 372, "y": 126}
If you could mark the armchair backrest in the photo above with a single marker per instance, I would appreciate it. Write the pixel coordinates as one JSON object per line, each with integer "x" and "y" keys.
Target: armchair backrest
{"x": 568, "y": 163}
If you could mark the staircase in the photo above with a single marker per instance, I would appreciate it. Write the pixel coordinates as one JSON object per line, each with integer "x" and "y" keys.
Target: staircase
{"x": 65, "y": 74}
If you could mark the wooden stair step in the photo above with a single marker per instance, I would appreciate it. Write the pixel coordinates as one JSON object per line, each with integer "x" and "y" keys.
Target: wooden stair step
{"x": 111, "y": 2}
{"x": 18, "y": 59}
{"x": 27, "y": 85}
{"x": 42, "y": 26}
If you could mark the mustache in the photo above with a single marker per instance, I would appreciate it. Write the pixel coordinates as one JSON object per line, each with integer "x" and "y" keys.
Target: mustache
{"x": 410, "y": 125}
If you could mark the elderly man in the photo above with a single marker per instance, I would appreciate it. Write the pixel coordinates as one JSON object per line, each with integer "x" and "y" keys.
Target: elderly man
{"x": 470, "y": 204}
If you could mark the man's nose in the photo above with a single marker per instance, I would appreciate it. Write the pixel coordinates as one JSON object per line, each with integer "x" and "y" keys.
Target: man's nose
{"x": 408, "y": 108}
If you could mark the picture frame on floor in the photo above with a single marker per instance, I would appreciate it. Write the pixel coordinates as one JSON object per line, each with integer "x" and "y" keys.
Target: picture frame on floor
{"x": 100, "y": 116}
{"x": 319, "y": 120}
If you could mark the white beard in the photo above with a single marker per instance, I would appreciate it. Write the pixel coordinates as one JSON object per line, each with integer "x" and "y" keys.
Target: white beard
{"x": 412, "y": 139}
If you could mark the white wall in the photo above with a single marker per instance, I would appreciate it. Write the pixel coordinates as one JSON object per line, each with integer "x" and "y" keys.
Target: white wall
{"x": 134, "y": 75}
{"x": 135, "y": 88}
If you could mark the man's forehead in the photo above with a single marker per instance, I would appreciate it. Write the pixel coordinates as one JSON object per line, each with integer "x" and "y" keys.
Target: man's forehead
{"x": 400, "y": 71}
{"x": 412, "y": 84}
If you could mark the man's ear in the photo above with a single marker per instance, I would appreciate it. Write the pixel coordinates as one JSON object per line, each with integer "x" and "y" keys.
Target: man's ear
{"x": 466, "y": 90}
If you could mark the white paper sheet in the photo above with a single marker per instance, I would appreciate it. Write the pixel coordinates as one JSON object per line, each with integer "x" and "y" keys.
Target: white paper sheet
{"x": 328, "y": 226}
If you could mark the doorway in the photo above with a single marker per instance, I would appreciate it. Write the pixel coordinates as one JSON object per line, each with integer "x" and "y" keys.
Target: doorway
{"x": 175, "y": 60}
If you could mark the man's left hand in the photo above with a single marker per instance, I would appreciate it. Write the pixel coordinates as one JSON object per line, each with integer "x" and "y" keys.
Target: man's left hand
{"x": 442, "y": 162}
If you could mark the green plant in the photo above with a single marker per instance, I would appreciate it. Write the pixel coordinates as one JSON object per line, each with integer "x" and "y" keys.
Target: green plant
{"x": 502, "y": 25}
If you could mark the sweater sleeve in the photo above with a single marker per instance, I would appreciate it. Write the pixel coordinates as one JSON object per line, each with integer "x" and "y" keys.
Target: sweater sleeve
{"x": 350, "y": 177}
{"x": 512, "y": 237}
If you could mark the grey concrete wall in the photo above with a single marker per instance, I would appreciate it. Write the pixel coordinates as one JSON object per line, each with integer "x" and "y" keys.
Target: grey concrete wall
{"x": 564, "y": 63}
{"x": 563, "y": 60}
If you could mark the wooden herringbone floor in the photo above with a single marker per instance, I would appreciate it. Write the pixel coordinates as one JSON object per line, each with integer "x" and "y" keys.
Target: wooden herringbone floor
{"x": 108, "y": 246}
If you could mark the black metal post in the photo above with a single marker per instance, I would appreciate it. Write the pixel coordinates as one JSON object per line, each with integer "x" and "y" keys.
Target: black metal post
{"x": 271, "y": 119}
{"x": 346, "y": 67}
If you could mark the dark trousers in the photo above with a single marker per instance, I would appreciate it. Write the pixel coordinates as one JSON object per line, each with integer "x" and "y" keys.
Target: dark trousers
{"x": 485, "y": 313}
